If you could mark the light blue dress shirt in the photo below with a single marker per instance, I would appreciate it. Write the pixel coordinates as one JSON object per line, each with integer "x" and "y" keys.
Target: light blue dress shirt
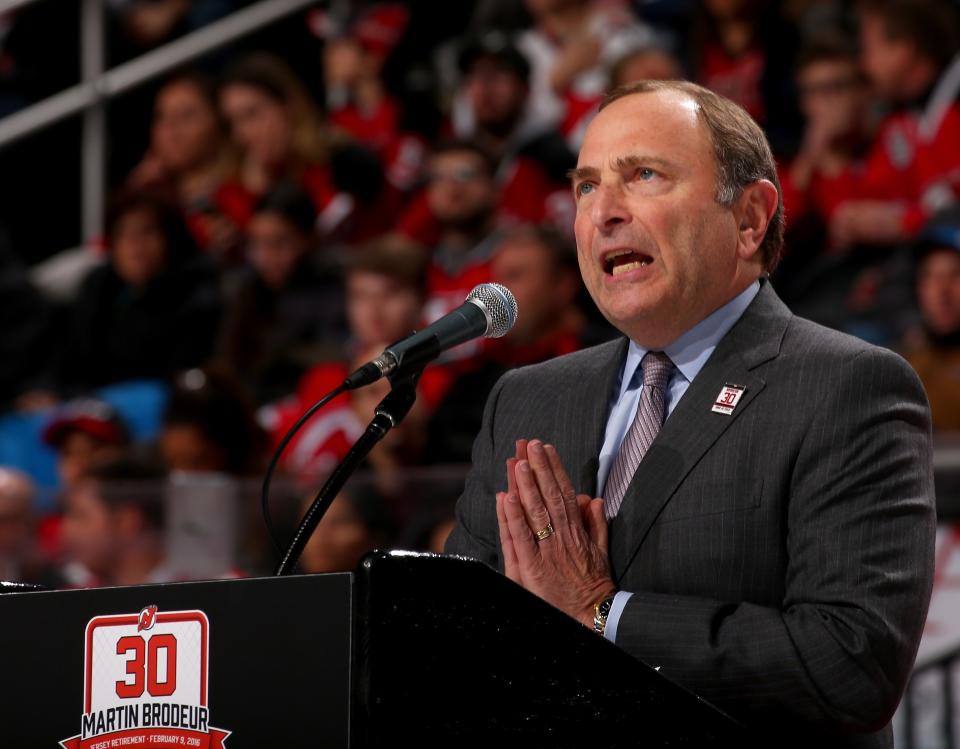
{"x": 688, "y": 353}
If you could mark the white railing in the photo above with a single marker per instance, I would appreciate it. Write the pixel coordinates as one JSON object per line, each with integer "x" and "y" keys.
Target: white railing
{"x": 97, "y": 85}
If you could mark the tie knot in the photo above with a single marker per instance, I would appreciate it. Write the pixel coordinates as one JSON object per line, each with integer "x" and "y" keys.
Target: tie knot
{"x": 656, "y": 370}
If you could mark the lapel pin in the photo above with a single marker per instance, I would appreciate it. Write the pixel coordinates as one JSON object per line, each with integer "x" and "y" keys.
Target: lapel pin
{"x": 728, "y": 399}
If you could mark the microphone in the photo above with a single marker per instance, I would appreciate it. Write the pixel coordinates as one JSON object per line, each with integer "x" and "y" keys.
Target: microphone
{"x": 489, "y": 311}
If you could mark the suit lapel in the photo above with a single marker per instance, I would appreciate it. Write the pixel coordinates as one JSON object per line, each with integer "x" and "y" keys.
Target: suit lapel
{"x": 582, "y": 418}
{"x": 693, "y": 427}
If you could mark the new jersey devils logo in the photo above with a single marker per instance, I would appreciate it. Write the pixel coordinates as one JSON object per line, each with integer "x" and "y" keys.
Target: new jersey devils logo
{"x": 147, "y": 618}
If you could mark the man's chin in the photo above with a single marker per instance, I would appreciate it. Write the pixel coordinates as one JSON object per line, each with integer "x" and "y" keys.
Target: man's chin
{"x": 633, "y": 301}
{"x": 627, "y": 317}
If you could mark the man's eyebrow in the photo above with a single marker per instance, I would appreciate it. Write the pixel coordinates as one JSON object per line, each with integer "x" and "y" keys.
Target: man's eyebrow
{"x": 582, "y": 172}
{"x": 623, "y": 163}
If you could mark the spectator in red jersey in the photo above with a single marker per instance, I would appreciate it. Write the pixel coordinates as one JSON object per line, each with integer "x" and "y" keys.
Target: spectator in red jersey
{"x": 189, "y": 156}
{"x": 909, "y": 53}
{"x": 744, "y": 50}
{"x": 282, "y": 137}
{"x": 286, "y": 308}
{"x": 540, "y": 266}
{"x": 209, "y": 427}
{"x": 278, "y": 130}
{"x": 359, "y": 103}
{"x": 151, "y": 310}
{"x": 935, "y": 350}
{"x": 462, "y": 196}
{"x": 386, "y": 288}
{"x": 825, "y": 172}
{"x": 357, "y": 100}
{"x": 493, "y": 108}
{"x": 386, "y": 291}
{"x": 114, "y": 522}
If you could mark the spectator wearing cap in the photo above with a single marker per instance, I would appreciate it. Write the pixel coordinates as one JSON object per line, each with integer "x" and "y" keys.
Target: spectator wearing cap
{"x": 493, "y": 108}
{"x": 151, "y": 310}
{"x": 286, "y": 309}
{"x": 909, "y": 51}
{"x": 935, "y": 352}
{"x": 114, "y": 522}
{"x": 83, "y": 432}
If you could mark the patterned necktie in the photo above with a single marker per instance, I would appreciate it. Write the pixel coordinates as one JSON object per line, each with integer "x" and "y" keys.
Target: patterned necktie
{"x": 651, "y": 412}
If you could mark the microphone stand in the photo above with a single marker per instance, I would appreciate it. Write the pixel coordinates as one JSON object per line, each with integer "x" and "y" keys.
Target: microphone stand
{"x": 388, "y": 414}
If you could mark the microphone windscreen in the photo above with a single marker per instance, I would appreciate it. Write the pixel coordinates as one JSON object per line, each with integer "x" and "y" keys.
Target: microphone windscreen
{"x": 499, "y": 305}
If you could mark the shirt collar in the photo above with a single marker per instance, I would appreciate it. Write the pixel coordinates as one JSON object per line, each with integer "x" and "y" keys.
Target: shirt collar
{"x": 691, "y": 350}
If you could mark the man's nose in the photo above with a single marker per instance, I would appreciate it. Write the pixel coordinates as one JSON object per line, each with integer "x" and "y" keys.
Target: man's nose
{"x": 609, "y": 207}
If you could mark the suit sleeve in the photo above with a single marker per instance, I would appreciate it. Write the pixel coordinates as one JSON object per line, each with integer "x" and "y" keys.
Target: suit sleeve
{"x": 476, "y": 533}
{"x": 839, "y": 649}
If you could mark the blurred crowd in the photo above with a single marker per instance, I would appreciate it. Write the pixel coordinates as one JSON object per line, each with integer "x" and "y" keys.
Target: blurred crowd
{"x": 284, "y": 210}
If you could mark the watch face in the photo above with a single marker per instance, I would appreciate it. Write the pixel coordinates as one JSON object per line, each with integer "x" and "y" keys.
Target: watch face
{"x": 600, "y": 616}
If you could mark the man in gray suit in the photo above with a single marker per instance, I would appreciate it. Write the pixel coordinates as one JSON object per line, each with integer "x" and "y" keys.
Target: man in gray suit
{"x": 765, "y": 532}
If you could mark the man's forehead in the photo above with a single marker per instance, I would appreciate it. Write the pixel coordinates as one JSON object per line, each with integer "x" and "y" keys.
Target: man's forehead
{"x": 663, "y": 119}
{"x": 675, "y": 104}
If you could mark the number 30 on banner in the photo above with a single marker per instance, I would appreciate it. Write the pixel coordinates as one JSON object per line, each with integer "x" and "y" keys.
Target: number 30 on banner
{"x": 150, "y": 670}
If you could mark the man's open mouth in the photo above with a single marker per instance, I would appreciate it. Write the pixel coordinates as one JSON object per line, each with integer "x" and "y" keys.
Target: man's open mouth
{"x": 624, "y": 261}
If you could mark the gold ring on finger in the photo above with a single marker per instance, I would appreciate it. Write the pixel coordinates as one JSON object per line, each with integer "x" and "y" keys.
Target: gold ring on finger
{"x": 545, "y": 532}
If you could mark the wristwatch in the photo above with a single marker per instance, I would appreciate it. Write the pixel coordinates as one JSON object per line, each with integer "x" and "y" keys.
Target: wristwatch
{"x": 601, "y": 610}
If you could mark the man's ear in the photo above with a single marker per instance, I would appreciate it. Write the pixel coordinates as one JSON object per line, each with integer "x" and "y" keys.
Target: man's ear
{"x": 754, "y": 210}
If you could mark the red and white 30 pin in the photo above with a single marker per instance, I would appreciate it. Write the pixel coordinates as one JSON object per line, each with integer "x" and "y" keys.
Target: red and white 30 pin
{"x": 728, "y": 399}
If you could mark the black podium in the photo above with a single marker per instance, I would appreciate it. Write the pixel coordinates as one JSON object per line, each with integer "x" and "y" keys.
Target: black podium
{"x": 412, "y": 650}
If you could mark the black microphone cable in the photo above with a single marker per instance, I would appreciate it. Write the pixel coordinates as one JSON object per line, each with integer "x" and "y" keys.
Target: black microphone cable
{"x": 265, "y": 488}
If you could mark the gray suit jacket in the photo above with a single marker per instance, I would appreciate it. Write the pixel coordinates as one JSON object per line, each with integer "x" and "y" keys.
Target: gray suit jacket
{"x": 781, "y": 558}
